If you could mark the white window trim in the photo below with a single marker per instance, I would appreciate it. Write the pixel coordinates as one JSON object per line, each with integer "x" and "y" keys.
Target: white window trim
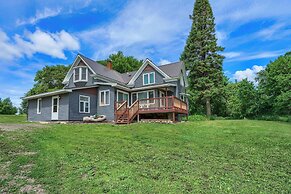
{"x": 80, "y": 74}
{"x": 58, "y": 106}
{"x": 120, "y": 91}
{"x": 104, "y": 91}
{"x": 84, "y": 104}
{"x": 139, "y": 72}
{"x": 38, "y": 106}
{"x": 148, "y": 75}
{"x": 147, "y": 91}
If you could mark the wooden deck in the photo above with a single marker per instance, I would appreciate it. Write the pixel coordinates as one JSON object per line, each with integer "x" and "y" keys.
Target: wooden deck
{"x": 168, "y": 104}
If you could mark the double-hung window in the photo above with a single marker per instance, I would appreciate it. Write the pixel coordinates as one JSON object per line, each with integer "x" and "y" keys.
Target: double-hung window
{"x": 104, "y": 97}
{"x": 39, "y": 105}
{"x": 84, "y": 104}
{"x": 80, "y": 74}
{"x": 149, "y": 78}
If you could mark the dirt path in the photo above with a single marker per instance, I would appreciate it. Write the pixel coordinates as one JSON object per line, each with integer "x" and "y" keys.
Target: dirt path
{"x": 20, "y": 180}
{"x": 15, "y": 127}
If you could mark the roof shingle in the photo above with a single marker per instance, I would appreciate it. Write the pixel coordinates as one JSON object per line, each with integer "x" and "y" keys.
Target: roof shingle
{"x": 172, "y": 70}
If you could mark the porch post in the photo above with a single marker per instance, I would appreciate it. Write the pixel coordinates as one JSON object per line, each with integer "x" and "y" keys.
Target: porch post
{"x": 174, "y": 118}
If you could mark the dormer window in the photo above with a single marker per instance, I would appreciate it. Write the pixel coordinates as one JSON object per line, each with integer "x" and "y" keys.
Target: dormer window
{"x": 80, "y": 74}
{"x": 149, "y": 78}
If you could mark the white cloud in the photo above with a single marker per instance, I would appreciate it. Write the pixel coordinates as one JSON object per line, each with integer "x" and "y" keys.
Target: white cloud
{"x": 242, "y": 56}
{"x": 229, "y": 16}
{"x": 14, "y": 93}
{"x": 276, "y": 31}
{"x": 52, "y": 44}
{"x": 8, "y": 50}
{"x": 164, "y": 61}
{"x": 221, "y": 36}
{"x": 18, "y": 79}
{"x": 45, "y": 13}
{"x": 226, "y": 11}
{"x": 231, "y": 55}
{"x": 140, "y": 27}
{"x": 249, "y": 74}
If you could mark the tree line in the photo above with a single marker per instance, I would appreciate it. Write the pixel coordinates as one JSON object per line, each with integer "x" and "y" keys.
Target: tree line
{"x": 6, "y": 107}
{"x": 210, "y": 92}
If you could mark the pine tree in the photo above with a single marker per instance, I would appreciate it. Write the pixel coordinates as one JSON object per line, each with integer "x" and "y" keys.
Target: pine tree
{"x": 201, "y": 55}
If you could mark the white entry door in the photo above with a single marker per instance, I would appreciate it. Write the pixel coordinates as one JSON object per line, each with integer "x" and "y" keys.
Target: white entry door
{"x": 55, "y": 107}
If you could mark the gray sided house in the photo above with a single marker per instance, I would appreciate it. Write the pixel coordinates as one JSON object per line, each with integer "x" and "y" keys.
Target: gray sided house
{"x": 151, "y": 92}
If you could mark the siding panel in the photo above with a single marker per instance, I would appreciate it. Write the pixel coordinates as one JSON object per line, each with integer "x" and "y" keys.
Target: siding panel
{"x": 139, "y": 80}
{"x": 107, "y": 110}
{"x": 74, "y": 114}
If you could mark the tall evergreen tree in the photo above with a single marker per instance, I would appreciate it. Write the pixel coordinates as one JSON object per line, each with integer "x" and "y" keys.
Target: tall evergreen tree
{"x": 201, "y": 56}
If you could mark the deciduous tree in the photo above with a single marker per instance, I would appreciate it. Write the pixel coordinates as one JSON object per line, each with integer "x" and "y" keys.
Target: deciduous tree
{"x": 122, "y": 63}
{"x": 275, "y": 86}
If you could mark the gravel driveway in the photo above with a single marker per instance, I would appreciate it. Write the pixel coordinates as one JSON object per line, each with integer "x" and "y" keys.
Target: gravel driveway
{"x": 15, "y": 127}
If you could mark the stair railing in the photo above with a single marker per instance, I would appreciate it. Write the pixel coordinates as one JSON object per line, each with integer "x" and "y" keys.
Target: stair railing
{"x": 133, "y": 111}
{"x": 120, "y": 110}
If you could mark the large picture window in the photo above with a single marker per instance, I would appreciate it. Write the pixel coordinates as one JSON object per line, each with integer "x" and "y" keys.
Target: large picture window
{"x": 149, "y": 78}
{"x": 104, "y": 97}
{"x": 122, "y": 96}
{"x": 80, "y": 74}
{"x": 143, "y": 95}
{"x": 84, "y": 104}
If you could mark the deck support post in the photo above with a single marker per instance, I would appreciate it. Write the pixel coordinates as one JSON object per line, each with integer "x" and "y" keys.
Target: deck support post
{"x": 138, "y": 118}
{"x": 174, "y": 118}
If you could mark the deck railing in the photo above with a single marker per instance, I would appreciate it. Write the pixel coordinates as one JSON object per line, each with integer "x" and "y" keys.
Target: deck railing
{"x": 161, "y": 104}
{"x": 149, "y": 105}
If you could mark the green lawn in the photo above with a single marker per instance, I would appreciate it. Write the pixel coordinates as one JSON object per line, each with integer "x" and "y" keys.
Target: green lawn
{"x": 12, "y": 118}
{"x": 198, "y": 157}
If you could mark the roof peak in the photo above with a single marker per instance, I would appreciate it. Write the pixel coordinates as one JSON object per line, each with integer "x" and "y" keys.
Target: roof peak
{"x": 171, "y": 63}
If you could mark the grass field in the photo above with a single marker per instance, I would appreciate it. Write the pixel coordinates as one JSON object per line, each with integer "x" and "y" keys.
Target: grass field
{"x": 12, "y": 118}
{"x": 224, "y": 156}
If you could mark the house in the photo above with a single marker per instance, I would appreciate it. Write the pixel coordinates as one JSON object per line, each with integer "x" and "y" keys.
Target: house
{"x": 91, "y": 88}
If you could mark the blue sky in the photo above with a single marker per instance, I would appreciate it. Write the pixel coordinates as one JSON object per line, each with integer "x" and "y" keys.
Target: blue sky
{"x": 35, "y": 33}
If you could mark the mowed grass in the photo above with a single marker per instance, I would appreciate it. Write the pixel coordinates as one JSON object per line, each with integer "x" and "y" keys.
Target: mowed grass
{"x": 198, "y": 157}
{"x": 13, "y": 118}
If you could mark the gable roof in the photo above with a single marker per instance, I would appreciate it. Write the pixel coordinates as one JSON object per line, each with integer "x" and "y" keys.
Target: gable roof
{"x": 128, "y": 75}
{"x": 97, "y": 69}
{"x": 172, "y": 69}
{"x": 103, "y": 70}
{"x": 144, "y": 65}
{"x": 169, "y": 71}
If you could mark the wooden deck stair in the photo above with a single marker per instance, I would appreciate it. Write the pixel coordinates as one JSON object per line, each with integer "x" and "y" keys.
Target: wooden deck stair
{"x": 125, "y": 114}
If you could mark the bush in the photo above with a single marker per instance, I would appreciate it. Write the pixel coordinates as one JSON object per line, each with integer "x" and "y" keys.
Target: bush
{"x": 274, "y": 118}
{"x": 214, "y": 117}
{"x": 197, "y": 118}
